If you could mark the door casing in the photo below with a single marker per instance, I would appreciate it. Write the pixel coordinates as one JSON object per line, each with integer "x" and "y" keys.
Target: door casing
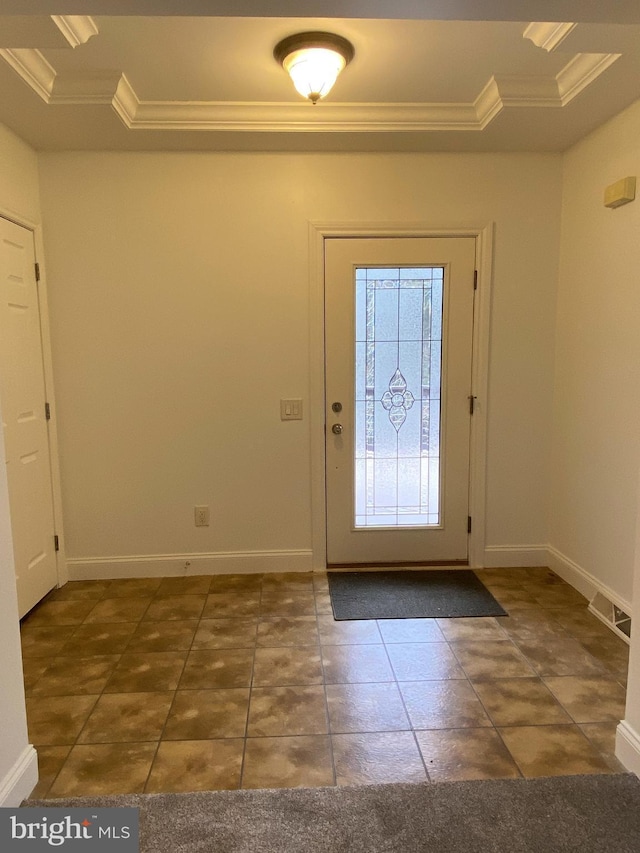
{"x": 483, "y": 234}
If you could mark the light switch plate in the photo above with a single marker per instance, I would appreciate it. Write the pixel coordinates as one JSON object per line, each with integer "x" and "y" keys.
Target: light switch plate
{"x": 291, "y": 410}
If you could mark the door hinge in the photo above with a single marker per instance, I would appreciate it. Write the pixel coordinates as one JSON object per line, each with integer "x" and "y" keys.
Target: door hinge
{"x": 56, "y": 542}
{"x": 47, "y": 411}
{"x": 472, "y": 403}
{"x": 37, "y": 268}
{"x": 468, "y": 524}
{"x": 475, "y": 279}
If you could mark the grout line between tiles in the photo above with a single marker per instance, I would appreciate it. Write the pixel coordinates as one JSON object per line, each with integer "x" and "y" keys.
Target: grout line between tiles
{"x": 260, "y": 617}
{"x": 246, "y": 722}
{"x": 326, "y": 699}
{"x": 404, "y": 705}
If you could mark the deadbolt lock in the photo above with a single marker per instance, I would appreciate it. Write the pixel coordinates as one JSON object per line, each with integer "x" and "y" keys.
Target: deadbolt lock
{"x": 336, "y": 407}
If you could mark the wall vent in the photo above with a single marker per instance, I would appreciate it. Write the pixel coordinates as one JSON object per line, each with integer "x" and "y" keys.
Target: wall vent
{"x": 611, "y": 615}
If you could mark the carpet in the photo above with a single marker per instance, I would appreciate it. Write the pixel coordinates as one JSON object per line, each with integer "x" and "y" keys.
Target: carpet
{"x": 410, "y": 595}
{"x": 589, "y": 814}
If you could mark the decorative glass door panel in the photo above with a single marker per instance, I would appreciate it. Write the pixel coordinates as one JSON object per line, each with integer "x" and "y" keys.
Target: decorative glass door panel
{"x": 398, "y": 318}
{"x": 398, "y": 343}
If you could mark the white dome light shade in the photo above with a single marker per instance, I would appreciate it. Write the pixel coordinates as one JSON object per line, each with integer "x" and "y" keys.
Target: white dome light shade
{"x": 314, "y": 70}
{"x": 313, "y": 61}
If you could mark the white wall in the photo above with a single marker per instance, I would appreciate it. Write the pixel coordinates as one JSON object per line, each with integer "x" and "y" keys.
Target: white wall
{"x": 18, "y": 763}
{"x": 596, "y": 447}
{"x": 179, "y": 299}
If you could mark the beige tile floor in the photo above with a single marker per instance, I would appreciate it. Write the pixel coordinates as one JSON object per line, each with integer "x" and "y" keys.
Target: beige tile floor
{"x": 247, "y": 681}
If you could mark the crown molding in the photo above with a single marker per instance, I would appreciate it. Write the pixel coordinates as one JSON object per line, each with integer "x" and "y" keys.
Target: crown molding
{"x": 77, "y": 29}
{"x": 527, "y": 91}
{"x": 114, "y": 89}
{"x": 125, "y": 102}
{"x": 284, "y": 117}
{"x": 580, "y": 72}
{"x": 488, "y": 104}
{"x": 546, "y": 34}
{"x": 503, "y": 91}
{"x": 98, "y": 88}
{"x": 33, "y": 68}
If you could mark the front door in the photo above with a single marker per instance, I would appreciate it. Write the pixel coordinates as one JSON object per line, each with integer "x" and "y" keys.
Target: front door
{"x": 398, "y": 338}
{"x": 22, "y": 392}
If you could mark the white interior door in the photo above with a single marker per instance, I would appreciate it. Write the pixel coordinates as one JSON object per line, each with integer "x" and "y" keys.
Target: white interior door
{"x": 22, "y": 391}
{"x": 398, "y": 347}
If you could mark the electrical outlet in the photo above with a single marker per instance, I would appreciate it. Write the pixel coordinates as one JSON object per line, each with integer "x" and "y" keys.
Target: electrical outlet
{"x": 201, "y": 516}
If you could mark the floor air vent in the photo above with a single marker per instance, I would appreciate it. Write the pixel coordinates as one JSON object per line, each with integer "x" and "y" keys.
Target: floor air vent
{"x": 611, "y": 615}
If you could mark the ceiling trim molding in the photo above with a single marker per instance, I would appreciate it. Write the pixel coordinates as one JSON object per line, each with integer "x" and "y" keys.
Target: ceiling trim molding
{"x": 284, "y": 117}
{"x": 113, "y": 88}
{"x": 33, "y": 68}
{"x": 488, "y": 104}
{"x": 517, "y": 91}
{"x": 512, "y": 91}
{"x": 581, "y": 71}
{"x": 77, "y": 29}
{"x": 98, "y": 88}
{"x": 125, "y": 102}
{"x": 546, "y": 34}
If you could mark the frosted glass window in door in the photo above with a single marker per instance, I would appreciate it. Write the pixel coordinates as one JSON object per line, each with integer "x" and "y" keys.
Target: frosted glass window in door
{"x": 397, "y": 396}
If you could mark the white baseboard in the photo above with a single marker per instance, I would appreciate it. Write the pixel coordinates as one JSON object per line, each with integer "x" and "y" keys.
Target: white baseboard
{"x": 628, "y": 747}
{"x": 583, "y": 580}
{"x": 20, "y": 781}
{"x": 518, "y": 556}
{"x": 177, "y": 565}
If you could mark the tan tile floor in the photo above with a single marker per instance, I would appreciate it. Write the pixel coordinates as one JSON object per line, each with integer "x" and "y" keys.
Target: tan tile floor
{"x": 204, "y": 683}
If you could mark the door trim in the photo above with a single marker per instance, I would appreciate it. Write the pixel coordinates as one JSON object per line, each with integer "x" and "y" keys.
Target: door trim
{"x": 54, "y": 459}
{"x": 483, "y": 234}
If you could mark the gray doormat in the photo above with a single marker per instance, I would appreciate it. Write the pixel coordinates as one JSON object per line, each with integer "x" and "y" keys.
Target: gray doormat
{"x": 410, "y": 595}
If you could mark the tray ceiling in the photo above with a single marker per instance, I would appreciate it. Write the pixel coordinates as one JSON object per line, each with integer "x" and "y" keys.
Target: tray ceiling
{"x": 165, "y": 82}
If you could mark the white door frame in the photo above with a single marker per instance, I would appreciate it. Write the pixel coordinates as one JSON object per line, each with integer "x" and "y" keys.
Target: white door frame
{"x": 483, "y": 234}
{"x": 61, "y": 561}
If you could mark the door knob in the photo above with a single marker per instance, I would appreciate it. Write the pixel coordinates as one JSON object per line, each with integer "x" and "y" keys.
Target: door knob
{"x": 336, "y": 429}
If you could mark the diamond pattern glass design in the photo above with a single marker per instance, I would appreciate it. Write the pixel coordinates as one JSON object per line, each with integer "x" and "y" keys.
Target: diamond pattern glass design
{"x": 397, "y": 396}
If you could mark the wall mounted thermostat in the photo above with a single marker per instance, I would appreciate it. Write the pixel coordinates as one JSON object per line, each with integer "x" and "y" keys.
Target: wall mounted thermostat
{"x": 622, "y": 192}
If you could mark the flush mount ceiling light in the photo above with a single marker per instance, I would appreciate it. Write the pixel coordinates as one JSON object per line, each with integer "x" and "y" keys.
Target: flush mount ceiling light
{"x": 313, "y": 61}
